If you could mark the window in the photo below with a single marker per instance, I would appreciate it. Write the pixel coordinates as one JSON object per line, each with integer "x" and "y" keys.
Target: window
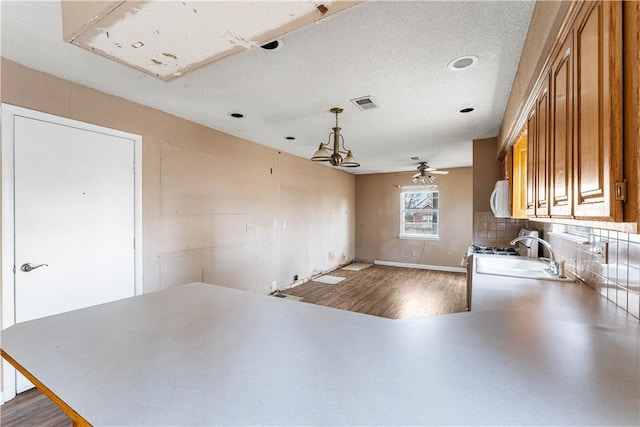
{"x": 419, "y": 212}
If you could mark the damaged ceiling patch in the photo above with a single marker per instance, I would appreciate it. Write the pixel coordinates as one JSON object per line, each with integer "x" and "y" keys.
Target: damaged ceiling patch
{"x": 168, "y": 39}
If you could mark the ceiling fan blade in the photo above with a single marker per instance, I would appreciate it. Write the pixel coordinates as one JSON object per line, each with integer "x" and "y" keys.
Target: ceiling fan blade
{"x": 416, "y": 175}
{"x": 438, "y": 172}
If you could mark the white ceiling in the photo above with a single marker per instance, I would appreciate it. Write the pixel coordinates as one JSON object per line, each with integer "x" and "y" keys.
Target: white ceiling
{"x": 395, "y": 51}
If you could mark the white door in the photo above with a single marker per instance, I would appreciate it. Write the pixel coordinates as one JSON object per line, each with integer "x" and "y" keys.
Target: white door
{"x": 74, "y": 218}
{"x": 74, "y": 213}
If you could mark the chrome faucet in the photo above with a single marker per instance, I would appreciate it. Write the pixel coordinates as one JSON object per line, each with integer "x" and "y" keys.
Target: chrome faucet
{"x": 554, "y": 267}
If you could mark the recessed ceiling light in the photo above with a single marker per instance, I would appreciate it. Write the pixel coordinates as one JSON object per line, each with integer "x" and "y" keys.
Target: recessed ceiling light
{"x": 466, "y": 110}
{"x": 462, "y": 63}
{"x": 236, "y": 115}
{"x": 272, "y": 45}
{"x": 290, "y": 138}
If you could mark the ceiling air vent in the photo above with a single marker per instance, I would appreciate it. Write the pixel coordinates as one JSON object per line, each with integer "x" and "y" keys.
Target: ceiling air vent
{"x": 364, "y": 103}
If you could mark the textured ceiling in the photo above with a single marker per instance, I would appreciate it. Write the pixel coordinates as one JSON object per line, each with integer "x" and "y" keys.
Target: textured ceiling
{"x": 394, "y": 51}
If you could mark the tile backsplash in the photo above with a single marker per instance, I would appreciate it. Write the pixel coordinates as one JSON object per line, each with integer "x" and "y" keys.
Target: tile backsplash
{"x": 615, "y": 273}
{"x": 616, "y": 276}
{"x": 491, "y": 231}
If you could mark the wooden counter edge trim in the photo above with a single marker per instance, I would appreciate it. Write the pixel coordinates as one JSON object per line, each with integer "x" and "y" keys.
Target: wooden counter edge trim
{"x": 77, "y": 419}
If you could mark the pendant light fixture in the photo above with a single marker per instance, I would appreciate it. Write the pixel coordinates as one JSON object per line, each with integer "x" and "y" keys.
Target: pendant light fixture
{"x": 335, "y": 157}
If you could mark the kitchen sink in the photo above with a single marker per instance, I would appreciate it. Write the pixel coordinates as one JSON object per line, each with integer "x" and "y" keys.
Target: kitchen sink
{"x": 523, "y": 267}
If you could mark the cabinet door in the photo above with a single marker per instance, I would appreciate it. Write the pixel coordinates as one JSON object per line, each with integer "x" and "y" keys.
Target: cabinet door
{"x": 519, "y": 177}
{"x": 598, "y": 124}
{"x": 532, "y": 128}
{"x": 561, "y": 146}
{"x": 542, "y": 152}
{"x": 631, "y": 85}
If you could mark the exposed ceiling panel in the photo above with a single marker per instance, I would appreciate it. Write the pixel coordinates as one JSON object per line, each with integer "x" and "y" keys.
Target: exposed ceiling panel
{"x": 396, "y": 52}
{"x": 169, "y": 38}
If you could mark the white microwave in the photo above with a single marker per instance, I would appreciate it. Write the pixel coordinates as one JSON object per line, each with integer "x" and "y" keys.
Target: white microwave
{"x": 500, "y": 200}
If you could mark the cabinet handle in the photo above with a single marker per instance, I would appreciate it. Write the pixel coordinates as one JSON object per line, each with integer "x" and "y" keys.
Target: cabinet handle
{"x": 621, "y": 191}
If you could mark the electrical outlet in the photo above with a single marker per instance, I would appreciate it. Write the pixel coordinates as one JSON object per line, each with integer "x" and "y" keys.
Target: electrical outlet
{"x": 249, "y": 228}
{"x": 601, "y": 252}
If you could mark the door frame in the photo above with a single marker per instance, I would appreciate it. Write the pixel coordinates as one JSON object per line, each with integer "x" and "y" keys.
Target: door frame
{"x": 7, "y": 285}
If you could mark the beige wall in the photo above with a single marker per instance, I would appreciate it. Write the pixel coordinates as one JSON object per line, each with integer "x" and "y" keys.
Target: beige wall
{"x": 201, "y": 187}
{"x": 378, "y": 220}
{"x": 486, "y": 172}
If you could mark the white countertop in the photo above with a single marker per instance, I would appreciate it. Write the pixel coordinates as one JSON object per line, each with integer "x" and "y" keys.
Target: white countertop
{"x": 530, "y": 352}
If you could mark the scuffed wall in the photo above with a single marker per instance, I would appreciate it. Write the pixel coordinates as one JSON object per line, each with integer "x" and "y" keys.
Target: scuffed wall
{"x": 378, "y": 220}
{"x": 216, "y": 208}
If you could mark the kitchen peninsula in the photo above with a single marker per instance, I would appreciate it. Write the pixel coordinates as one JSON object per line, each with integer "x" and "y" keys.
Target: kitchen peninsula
{"x": 530, "y": 352}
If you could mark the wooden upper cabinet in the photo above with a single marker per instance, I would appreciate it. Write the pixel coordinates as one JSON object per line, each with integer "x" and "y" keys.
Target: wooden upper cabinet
{"x": 532, "y": 138}
{"x": 542, "y": 152}
{"x": 631, "y": 107}
{"x": 598, "y": 111}
{"x": 561, "y": 144}
{"x": 578, "y": 163}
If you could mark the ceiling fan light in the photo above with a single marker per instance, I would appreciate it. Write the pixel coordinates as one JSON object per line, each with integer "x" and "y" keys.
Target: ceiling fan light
{"x": 322, "y": 155}
{"x": 426, "y": 173}
{"x": 420, "y": 179}
{"x": 350, "y": 161}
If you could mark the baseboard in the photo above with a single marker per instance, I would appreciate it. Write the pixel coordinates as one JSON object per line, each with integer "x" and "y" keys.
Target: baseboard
{"x": 421, "y": 266}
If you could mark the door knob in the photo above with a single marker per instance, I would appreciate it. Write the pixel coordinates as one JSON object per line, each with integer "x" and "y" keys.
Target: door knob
{"x": 27, "y": 267}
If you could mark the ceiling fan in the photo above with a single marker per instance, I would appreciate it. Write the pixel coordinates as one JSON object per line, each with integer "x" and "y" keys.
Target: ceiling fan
{"x": 425, "y": 173}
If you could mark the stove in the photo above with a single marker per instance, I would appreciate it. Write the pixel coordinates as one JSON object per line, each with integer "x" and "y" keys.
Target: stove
{"x": 493, "y": 250}
{"x": 467, "y": 262}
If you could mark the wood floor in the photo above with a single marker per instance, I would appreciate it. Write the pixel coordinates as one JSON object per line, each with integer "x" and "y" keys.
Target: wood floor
{"x": 392, "y": 292}
{"x": 32, "y": 409}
